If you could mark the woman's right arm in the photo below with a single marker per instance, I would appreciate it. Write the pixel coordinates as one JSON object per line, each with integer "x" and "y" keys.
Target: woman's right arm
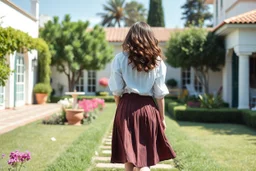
{"x": 161, "y": 107}
{"x": 160, "y": 90}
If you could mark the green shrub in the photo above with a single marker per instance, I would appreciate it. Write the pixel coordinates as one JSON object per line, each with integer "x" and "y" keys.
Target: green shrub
{"x": 104, "y": 93}
{"x": 172, "y": 83}
{"x": 249, "y": 118}
{"x": 210, "y": 101}
{"x": 56, "y": 119}
{"x": 209, "y": 115}
{"x": 55, "y": 99}
{"x": 222, "y": 115}
{"x": 42, "y": 88}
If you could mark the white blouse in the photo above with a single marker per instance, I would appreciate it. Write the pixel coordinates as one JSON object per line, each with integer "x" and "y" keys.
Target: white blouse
{"x": 125, "y": 79}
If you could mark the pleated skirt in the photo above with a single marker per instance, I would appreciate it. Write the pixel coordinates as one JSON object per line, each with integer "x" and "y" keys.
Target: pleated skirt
{"x": 138, "y": 136}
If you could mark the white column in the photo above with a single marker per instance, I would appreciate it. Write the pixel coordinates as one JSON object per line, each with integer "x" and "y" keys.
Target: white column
{"x": 243, "y": 84}
{"x": 29, "y": 76}
{"x": 9, "y": 88}
{"x": 227, "y": 78}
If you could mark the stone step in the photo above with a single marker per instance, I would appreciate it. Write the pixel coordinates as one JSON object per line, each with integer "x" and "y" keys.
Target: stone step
{"x": 107, "y": 143}
{"x": 121, "y": 166}
{"x": 105, "y": 159}
{"x": 105, "y": 147}
{"x": 107, "y": 139}
{"x": 106, "y": 152}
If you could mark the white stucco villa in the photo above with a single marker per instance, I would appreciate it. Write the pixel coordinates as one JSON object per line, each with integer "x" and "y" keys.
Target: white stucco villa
{"x": 236, "y": 21}
{"x": 89, "y": 80}
{"x": 19, "y": 88}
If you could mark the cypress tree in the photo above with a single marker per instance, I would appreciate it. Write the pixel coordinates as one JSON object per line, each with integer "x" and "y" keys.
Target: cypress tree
{"x": 156, "y": 14}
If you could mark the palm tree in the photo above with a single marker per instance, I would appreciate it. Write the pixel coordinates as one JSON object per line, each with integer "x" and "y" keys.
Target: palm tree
{"x": 134, "y": 12}
{"x": 114, "y": 13}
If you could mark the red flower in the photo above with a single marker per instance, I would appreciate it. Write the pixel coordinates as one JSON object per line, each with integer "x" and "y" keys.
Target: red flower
{"x": 103, "y": 82}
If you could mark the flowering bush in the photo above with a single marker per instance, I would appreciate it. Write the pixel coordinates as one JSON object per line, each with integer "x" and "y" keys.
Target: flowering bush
{"x": 17, "y": 159}
{"x": 66, "y": 103}
{"x": 103, "y": 82}
{"x": 90, "y": 107}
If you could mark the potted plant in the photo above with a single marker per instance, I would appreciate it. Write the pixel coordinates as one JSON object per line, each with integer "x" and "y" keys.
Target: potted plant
{"x": 74, "y": 116}
{"x": 172, "y": 83}
{"x": 42, "y": 91}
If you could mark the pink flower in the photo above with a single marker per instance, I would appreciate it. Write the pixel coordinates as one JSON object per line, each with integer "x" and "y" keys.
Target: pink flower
{"x": 17, "y": 157}
{"x": 86, "y": 105}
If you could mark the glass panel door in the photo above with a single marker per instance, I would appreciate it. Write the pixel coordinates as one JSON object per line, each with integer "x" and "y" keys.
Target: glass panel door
{"x": 2, "y": 97}
{"x": 20, "y": 78}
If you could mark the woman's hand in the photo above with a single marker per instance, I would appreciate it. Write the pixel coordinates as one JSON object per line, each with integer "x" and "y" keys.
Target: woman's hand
{"x": 164, "y": 125}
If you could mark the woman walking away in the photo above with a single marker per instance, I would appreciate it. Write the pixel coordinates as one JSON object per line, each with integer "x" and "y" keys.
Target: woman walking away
{"x": 138, "y": 75}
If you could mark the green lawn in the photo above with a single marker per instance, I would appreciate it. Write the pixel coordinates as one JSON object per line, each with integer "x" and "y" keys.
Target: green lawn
{"x": 199, "y": 146}
{"x": 36, "y": 138}
{"x": 232, "y": 146}
{"x": 203, "y": 146}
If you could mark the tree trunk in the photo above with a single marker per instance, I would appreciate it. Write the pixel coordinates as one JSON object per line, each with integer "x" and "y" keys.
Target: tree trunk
{"x": 202, "y": 75}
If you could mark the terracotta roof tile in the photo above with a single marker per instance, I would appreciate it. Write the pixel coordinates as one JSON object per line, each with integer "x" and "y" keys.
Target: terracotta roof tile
{"x": 245, "y": 18}
{"x": 114, "y": 34}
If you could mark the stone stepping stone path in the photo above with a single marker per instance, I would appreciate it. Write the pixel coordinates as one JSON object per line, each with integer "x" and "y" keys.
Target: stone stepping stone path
{"x": 101, "y": 160}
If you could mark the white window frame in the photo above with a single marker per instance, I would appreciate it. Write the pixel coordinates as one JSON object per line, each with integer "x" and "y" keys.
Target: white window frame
{"x": 80, "y": 85}
{"x": 91, "y": 75}
{"x": 190, "y": 78}
{"x": 187, "y": 79}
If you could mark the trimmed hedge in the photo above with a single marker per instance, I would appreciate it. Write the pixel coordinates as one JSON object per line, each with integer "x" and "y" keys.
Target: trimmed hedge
{"x": 224, "y": 115}
{"x": 55, "y": 99}
{"x": 249, "y": 118}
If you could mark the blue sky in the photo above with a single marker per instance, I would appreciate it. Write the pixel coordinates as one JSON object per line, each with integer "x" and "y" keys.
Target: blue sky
{"x": 87, "y": 9}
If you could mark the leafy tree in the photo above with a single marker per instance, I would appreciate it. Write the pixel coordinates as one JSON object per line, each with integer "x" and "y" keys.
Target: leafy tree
{"x": 134, "y": 12}
{"x": 44, "y": 61}
{"x": 114, "y": 13}
{"x": 5, "y": 71}
{"x": 156, "y": 14}
{"x": 75, "y": 48}
{"x": 117, "y": 12}
{"x": 199, "y": 49}
{"x": 12, "y": 40}
{"x": 196, "y": 12}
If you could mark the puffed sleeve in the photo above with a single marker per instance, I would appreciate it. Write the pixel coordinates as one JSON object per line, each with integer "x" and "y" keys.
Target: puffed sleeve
{"x": 159, "y": 88}
{"x": 116, "y": 82}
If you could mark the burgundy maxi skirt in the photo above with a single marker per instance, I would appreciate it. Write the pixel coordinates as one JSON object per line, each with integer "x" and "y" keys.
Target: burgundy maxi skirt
{"x": 138, "y": 136}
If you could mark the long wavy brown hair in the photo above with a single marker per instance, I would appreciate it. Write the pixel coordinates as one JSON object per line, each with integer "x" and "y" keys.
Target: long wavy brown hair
{"x": 142, "y": 47}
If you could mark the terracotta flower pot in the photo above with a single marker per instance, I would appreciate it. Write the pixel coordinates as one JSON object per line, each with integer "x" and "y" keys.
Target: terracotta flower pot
{"x": 74, "y": 116}
{"x": 41, "y": 98}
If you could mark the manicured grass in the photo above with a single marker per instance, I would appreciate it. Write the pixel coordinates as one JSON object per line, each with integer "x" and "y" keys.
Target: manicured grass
{"x": 191, "y": 156}
{"x": 36, "y": 138}
{"x": 232, "y": 146}
{"x": 78, "y": 156}
{"x": 203, "y": 146}
{"x": 72, "y": 150}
